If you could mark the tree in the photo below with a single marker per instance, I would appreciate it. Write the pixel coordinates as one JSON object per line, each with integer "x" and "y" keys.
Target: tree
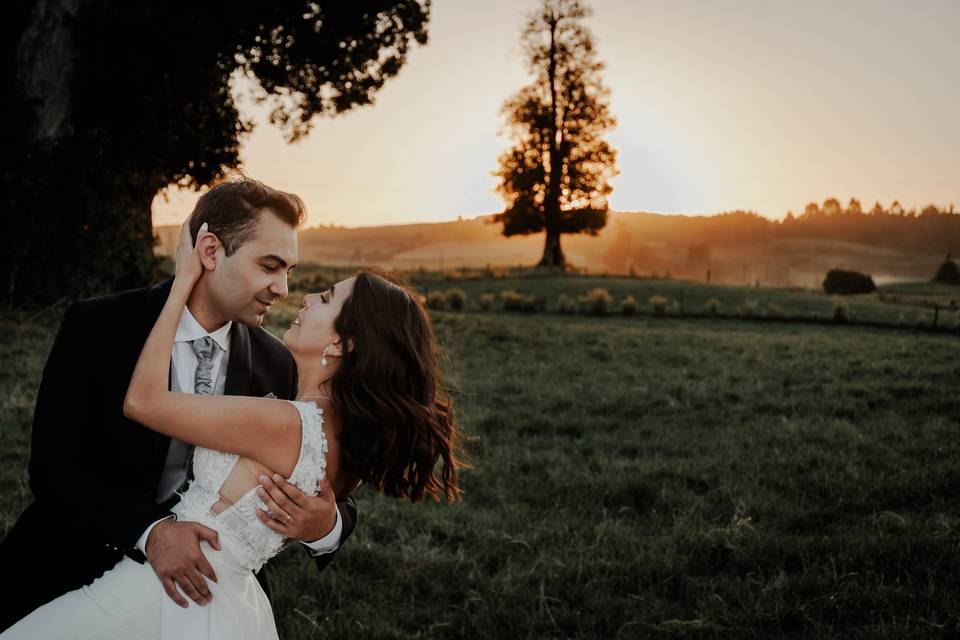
{"x": 107, "y": 102}
{"x": 556, "y": 177}
{"x": 831, "y": 207}
{"x": 854, "y": 208}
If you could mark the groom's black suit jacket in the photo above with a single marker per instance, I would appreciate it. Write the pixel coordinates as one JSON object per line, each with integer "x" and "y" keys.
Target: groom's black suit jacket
{"x": 94, "y": 472}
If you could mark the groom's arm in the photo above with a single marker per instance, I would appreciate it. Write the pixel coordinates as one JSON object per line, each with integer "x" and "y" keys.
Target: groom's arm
{"x": 347, "y": 511}
{"x": 78, "y": 460}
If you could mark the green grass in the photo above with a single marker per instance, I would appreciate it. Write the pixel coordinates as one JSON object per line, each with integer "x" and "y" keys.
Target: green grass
{"x": 641, "y": 477}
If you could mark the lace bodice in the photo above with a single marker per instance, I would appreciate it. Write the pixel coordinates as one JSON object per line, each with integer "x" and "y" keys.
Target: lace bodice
{"x": 246, "y": 540}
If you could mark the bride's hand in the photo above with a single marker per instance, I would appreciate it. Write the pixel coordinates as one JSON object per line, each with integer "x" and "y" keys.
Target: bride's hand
{"x": 189, "y": 268}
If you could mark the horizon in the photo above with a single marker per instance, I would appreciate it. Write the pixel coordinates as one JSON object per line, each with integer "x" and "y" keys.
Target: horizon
{"x": 805, "y": 103}
{"x": 401, "y": 223}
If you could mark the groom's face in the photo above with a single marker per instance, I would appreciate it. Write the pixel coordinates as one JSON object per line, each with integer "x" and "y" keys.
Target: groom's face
{"x": 245, "y": 284}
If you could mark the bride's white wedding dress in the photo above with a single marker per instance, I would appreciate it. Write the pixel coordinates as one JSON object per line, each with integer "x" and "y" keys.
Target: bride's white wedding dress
{"x": 129, "y": 602}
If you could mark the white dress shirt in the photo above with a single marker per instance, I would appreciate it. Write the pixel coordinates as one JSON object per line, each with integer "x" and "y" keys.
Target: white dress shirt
{"x": 184, "y": 363}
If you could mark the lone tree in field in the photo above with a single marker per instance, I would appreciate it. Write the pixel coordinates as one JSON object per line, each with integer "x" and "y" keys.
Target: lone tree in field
{"x": 556, "y": 178}
{"x": 106, "y": 102}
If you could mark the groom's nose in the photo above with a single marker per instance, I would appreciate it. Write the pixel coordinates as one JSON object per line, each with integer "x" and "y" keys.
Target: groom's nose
{"x": 279, "y": 287}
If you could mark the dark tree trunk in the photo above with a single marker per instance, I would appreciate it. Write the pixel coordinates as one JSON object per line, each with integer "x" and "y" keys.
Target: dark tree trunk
{"x": 552, "y": 253}
{"x": 45, "y": 61}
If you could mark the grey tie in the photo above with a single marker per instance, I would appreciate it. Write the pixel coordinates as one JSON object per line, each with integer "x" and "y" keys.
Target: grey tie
{"x": 205, "y": 349}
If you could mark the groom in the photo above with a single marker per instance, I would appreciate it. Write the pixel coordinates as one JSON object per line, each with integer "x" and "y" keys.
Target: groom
{"x": 104, "y": 485}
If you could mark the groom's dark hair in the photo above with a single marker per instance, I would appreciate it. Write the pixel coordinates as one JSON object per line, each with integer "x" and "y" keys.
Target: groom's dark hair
{"x": 232, "y": 210}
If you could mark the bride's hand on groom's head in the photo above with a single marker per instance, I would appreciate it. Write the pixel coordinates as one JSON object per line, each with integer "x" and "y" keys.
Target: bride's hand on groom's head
{"x": 189, "y": 256}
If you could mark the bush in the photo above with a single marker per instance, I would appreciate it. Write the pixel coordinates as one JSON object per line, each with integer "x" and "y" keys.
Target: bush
{"x": 486, "y": 301}
{"x": 628, "y": 306}
{"x": 566, "y": 304}
{"x": 435, "y": 300}
{"x": 840, "y": 313}
{"x": 748, "y": 309}
{"x": 597, "y": 302}
{"x": 712, "y": 306}
{"x": 839, "y": 282}
{"x": 456, "y": 299}
{"x": 774, "y": 310}
{"x": 948, "y": 273}
{"x": 513, "y": 301}
{"x": 659, "y": 304}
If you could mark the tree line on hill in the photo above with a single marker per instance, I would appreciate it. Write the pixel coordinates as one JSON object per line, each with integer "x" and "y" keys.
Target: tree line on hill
{"x": 932, "y": 230}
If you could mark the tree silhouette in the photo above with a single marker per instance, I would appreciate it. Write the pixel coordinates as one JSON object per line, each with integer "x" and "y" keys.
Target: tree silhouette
{"x": 556, "y": 178}
{"x": 107, "y": 102}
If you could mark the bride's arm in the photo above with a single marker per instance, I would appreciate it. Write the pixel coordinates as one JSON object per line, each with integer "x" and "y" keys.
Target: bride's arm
{"x": 259, "y": 428}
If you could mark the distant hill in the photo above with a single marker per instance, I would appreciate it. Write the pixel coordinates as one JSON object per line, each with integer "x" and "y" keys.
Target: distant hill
{"x": 736, "y": 248}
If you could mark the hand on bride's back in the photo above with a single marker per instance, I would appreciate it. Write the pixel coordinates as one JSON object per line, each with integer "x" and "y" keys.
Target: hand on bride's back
{"x": 173, "y": 550}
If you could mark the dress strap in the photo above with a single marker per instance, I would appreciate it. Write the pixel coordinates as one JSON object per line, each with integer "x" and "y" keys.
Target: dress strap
{"x": 311, "y": 466}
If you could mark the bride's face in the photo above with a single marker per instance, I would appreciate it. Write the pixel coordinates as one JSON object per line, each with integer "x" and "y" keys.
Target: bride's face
{"x": 313, "y": 329}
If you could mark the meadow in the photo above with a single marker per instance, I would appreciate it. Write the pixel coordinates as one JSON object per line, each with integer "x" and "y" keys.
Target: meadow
{"x": 644, "y": 476}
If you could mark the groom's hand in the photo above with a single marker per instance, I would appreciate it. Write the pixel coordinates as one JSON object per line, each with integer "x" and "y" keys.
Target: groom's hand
{"x": 293, "y": 513}
{"x": 173, "y": 550}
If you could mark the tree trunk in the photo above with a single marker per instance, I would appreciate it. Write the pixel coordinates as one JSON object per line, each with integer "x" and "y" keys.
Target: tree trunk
{"x": 552, "y": 253}
{"x": 45, "y": 66}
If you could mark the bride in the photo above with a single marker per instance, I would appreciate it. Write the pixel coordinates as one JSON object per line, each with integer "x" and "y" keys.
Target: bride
{"x": 370, "y": 410}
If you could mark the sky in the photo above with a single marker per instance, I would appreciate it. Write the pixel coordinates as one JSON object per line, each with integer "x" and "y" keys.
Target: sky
{"x": 763, "y": 105}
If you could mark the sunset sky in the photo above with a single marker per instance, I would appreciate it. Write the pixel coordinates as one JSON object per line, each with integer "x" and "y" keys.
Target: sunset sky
{"x": 722, "y": 105}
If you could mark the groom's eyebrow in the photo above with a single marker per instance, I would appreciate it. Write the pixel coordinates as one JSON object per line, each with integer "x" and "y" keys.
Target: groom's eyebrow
{"x": 279, "y": 260}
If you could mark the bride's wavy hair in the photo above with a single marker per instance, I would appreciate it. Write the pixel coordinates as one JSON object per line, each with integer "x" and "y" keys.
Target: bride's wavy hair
{"x": 400, "y": 434}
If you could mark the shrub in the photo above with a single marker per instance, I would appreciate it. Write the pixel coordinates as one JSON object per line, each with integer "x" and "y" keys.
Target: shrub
{"x": 949, "y": 272}
{"x": 513, "y": 301}
{"x": 839, "y": 282}
{"x": 749, "y": 308}
{"x": 712, "y": 306}
{"x": 435, "y": 300}
{"x": 659, "y": 304}
{"x": 486, "y": 301}
{"x": 628, "y": 306}
{"x": 597, "y": 302}
{"x": 774, "y": 310}
{"x": 840, "y": 312}
{"x": 456, "y": 299}
{"x": 566, "y": 304}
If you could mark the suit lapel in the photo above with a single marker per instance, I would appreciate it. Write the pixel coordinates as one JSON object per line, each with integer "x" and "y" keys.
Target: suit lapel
{"x": 156, "y": 298}
{"x": 239, "y": 367}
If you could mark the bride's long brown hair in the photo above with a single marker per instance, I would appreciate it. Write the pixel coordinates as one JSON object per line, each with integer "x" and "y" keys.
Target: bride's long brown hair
{"x": 398, "y": 423}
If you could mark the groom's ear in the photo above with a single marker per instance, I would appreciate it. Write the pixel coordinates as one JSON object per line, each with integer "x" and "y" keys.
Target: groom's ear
{"x": 208, "y": 246}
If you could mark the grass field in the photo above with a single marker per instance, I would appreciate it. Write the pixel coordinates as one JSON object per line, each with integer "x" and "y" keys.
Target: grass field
{"x": 641, "y": 477}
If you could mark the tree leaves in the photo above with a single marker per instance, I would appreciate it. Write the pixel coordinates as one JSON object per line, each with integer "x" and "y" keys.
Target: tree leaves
{"x": 556, "y": 177}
